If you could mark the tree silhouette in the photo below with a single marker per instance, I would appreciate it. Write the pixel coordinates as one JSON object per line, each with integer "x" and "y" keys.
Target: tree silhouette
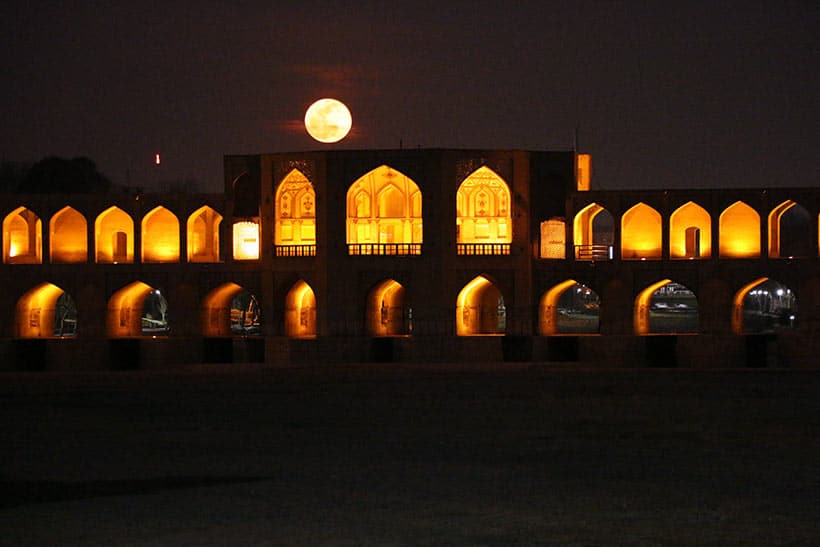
{"x": 65, "y": 176}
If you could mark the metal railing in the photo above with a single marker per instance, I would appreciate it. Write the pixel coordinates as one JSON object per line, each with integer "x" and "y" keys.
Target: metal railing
{"x": 594, "y": 252}
{"x": 384, "y": 249}
{"x": 469, "y": 249}
{"x": 295, "y": 250}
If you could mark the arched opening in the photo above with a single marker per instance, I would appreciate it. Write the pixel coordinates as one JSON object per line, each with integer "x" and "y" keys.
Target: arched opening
{"x": 114, "y": 237}
{"x": 246, "y": 194}
{"x": 300, "y": 311}
{"x": 690, "y": 232}
{"x": 160, "y": 236}
{"x": 569, "y": 308}
{"x": 789, "y": 231}
{"x": 666, "y": 307}
{"x": 739, "y": 232}
{"x": 203, "y": 235}
{"x": 246, "y": 240}
{"x": 554, "y": 238}
{"x": 387, "y": 311}
{"x": 68, "y": 236}
{"x": 641, "y": 233}
{"x": 46, "y": 311}
{"x": 136, "y": 310}
{"x": 763, "y": 306}
{"x": 22, "y": 237}
{"x": 295, "y": 232}
{"x": 384, "y": 214}
{"x": 483, "y": 214}
{"x": 230, "y": 310}
{"x": 593, "y": 233}
{"x": 480, "y": 309}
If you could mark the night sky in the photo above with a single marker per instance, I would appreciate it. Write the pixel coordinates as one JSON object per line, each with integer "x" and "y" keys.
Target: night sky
{"x": 663, "y": 95}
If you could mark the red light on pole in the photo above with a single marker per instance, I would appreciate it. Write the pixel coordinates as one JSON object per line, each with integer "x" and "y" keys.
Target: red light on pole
{"x": 156, "y": 159}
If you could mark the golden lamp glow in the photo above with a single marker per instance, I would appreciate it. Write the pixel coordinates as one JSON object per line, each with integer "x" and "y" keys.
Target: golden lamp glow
{"x": 35, "y": 314}
{"x": 246, "y": 241}
{"x": 739, "y": 232}
{"x": 641, "y": 233}
{"x": 480, "y": 309}
{"x": 300, "y": 311}
{"x": 160, "y": 236}
{"x": 114, "y": 236}
{"x": 583, "y": 172}
{"x": 22, "y": 237}
{"x": 386, "y": 310}
{"x": 328, "y": 120}
{"x": 69, "y": 237}
{"x": 690, "y": 232}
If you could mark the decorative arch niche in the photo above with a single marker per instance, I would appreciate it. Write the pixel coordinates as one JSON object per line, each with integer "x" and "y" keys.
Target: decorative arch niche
{"x": 739, "y": 232}
{"x": 569, "y": 308}
{"x": 46, "y": 311}
{"x": 203, "y": 235}
{"x": 690, "y": 232}
{"x": 483, "y": 213}
{"x": 22, "y": 237}
{"x": 300, "y": 311}
{"x": 666, "y": 307}
{"x": 384, "y": 214}
{"x": 480, "y": 309}
{"x": 593, "y": 233}
{"x": 789, "y": 231}
{"x": 135, "y": 310}
{"x": 114, "y": 237}
{"x": 160, "y": 236}
{"x": 641, "y": 233}
{"x": 387, "y": 310}
{"x": 68, "y": 236}
{"x": 295, "y": 215}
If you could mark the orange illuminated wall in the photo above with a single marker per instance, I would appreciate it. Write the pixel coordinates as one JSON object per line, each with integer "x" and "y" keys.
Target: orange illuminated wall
{"x": 583, "y": 172}
{"x": 68, "y": 236}
{"x": 295, "y": 211}
{"x": 553, "y": 238}
{"x": 739, "y": 232}
{"x": 36, "y": 312}
{"x": 483, "y": 208}
{"x": 160, "y": 236}
{"x": 737, "y": 304}
{"x": 216, "y": 310}
{"x": 641, "y": 233}
{"x": 246, "y": 240}
{"x": 548, "y": 309}
{"x": 384, "y": 206}
{"x": 789, "y": 231}
{"x": 690, "y": 232}
{"x": 125, "y": 307}
{"x": 300, "y": 311}
{"x": 203, "y": 235}
{"x": 480, "y": 309}
{"x": 114, "y": 237}
{"x": 641, "y": 312}
{"x": 386, "y": 310}
{"x": 592, "y": 232}
{"x": 22, "y": 237}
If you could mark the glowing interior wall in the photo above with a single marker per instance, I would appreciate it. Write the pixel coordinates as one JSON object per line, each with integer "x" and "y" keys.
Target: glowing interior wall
{"x": 114, "y": 237}
{"x": 216, "y": 310}
{"x": 246, "y": 240}
{"x": 569, "y": 308}
{"x": 739, "y": 232}
{"x": 387, "y": 310}
{"x": 160, "y": 236}
{"x": 22, "y": 237}
{"x": 641, "y": 233}
{"x": 553, "y": 238}
{"x": 300, "y": 311}
{"x": 384, "y": 206}
{"x": 480, "y": 309}
{"x": 37, "y": 313}
{"x": 583, "y": 172}
{"x": 593, "y": 232}
{"x": 690, "y": 232}
{"x": 295, "y": 211}
{"x": 68, "y": 236}
{"x": 125, "y": 309}
{"x": 641, "y": 311}
{"x": 548, "y": 308}
{"x": 483, "y": 210}
{"x": 203, "y": 235}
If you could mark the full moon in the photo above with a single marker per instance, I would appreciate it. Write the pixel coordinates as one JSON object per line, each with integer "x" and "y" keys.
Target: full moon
{"x": 328, "y": 120}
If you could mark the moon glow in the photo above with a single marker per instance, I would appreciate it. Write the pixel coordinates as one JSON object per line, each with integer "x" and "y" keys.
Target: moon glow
{"x": 328, "y": 120}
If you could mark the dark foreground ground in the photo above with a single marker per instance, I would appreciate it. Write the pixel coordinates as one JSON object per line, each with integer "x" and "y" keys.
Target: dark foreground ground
{"x": 410, "y": 455}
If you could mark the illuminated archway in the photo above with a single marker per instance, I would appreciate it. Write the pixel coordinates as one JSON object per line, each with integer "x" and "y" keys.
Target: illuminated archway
{"x": 483, "y": 214}
{"x": 690, "y": 232}
{"x": 114, "y": 237}
{"x": 666, "y": 307}
{"x": 203, "y": 235}
{"x": 46, "y": 311}
{"x": 68, "y": 236}
{"x": 387, "y": 310}
{"x": 480, "y": 309}
{"x": 739, "y": 232}
{"x": 384, "y": 214}
{"x": 160, "y": 236}
{"x": 22, "y": 237}
{"x": 230, "y": 310}
{"x": 136, "y": 310}
{"x": 295, "y": 216}
{"x": 641, "y": 233}
{"x": 593, "y": 233}
{"x": 789, "y": 231}
{"x": 300, "y": 311}
{"x": 569, "y": 308}
{"x": 762, "y": 306}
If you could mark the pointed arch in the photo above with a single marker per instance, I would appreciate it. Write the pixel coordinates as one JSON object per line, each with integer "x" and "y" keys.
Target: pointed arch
{"x": 295, "y": 228}
{"x": 483, "y": 213}
{"x": 387, "y": 310}
{"x": 789, "y": 231}
{"x": 762, "y": 306}
{"x": 569, "y": 307}
{"x": 666, "y": 307}
{"x": 68, "y": 236}
{"x": 46, "y": 311}
{"x": 22, "y": 237}
{"x": 300, "y": 311}
{"x": 739, "y": 232}
{"x": 593, "y": 233}
{"x": 137, "y": 309}
{"x": 690, "y": 232}
{"x": 641, "y": 229}
{"x": 160, "y": 236}
{"x": 246, "y": 196}
{"x": 203, "y": 235}
{"x": 114, "y": 237}
{"x": 230, "y": 310}
{"x": 480, "y": 309}
{"x": 384, "y": 214}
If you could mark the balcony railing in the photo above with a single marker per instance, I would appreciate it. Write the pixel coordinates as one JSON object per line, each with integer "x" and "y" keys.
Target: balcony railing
{"x": 295, "y": 250}
{"x": 469, "y": 249}
{"x": 594, "y": 252}
{"x": 387, "y": 249}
